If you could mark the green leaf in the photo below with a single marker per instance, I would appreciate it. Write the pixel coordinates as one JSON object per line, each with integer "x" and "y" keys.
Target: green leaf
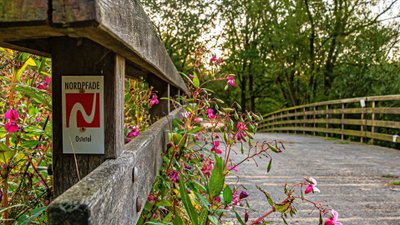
{"x": 203, "y": 216}
{"x": 213, "y": 220}
{"x": 282, "y": 208}
{"x": 196, "y": 81}
{"x": 217, "y": 178}
{"x": 239, "y": 219}
{"x": 178, "y": 220}
{"x": 267, "y": 195}
{"x": 228, "y": 196}
{"x": 30, "y": 143}
{"x": 269, "y": 165}
{"x": 29, "y": 62}
{"x": 164, "y": 203}
{"x": 195, "y": 130}
{"x": 186, "y": 202}
{"x": 35, "y": 213}
{"x": 6, "y": 153}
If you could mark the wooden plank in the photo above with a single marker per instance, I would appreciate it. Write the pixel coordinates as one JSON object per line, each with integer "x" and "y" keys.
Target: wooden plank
{"x": 379, "y": 136}
{"x": 111, "y": 194}
{"x": 340, "y": 101}
{"x": 381, "y": 110}
{"x": 122, "y": 26}
{"x": 85, "y": 57}
{"x": 27, "y": 12}
{"x": 376, "y": 123}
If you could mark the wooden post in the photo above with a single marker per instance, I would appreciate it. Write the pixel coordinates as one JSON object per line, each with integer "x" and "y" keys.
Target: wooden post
{"x": 326, "y": 123}
{"x": 295, "y": 118}
{"x": 314, "y": 117}
{"x": 304, "y": 122}
{"x": 342, "y": 122}
{"x": 373, "y": 128}
{"x": 77, "y": 57}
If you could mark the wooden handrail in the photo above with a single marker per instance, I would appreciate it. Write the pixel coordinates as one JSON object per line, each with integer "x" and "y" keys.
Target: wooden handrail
{"x": 353, "y": 117}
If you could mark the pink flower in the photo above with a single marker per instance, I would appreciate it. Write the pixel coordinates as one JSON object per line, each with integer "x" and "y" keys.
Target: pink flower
{"x": 333, "y": 219}
{"x": 208, "y": 166}
{"x": 173, "y": 175}
{"x": 312, "y": 183}
{"x": 45, "y": 85}
{"x": 234, "y": 168}
{"x": 154, "y": 100}
{"x": 186, "y": 114}
{"x": 133, "y": 133}
{"x": 12, "y": 115}
{"x": 12, "y": 118}
{"x": 197, "y": 137}
{"x": 235, "y": 198}
{"x": 216, "y": 148}
{"x": 210, "y": 114}
{"x": 150, "y": 198}
{"x": 241, "y": 133}
{"x": 198, "y": 119}
{"x": 215, "y": 60}
{"x": 231, "y": 81}
{"x": 243, "y": 195}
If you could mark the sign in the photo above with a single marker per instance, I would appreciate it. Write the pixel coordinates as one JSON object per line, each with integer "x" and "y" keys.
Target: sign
{"x": 83, "y": 114}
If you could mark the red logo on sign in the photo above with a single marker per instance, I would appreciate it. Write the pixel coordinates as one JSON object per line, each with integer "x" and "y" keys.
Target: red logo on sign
{"x": 82, "y": 109}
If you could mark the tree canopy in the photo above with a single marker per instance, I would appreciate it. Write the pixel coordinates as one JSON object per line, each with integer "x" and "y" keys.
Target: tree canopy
{"x": 288, "y": 52}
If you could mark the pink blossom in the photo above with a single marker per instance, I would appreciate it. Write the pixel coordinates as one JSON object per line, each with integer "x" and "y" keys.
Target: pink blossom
{"x": 210, "y": 114}
{"x": 215, "y": 60}
{"x": 216, "y": 148}
{"x": 186, "y": 114}
{"x": 241, "y": 133}
{"x": 154, "y": 100}
{"x": 191, "y": 76}
{"x": 333, "y": 219}
{"x": 133, "y": 133}
{"x": 312, "y": 183}
{"x": 12, "y": 118}
{"x": 231, "y": 81}
{"x": 173, "y": 175}
{"x": 45, "y": 85}
{"x": 235, "y": 198}
{"x": 12, "y": 115}
{"x": 234, "y": 168}
{"x": 198, "y": 119}
{"x": 150, "y": 198}
{"x": 208, "y": 166}
{"x": 197, "y": 137}
{"x": 243, "y": 195}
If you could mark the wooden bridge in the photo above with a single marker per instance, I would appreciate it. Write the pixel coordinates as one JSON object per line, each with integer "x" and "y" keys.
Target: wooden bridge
{"x": 111, "y": 40}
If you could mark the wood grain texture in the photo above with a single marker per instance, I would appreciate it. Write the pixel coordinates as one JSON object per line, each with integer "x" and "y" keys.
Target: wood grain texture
{"x": 332, "y": 117}
{"x": 23, "y": 11}
{"x": 122, "y": 26}
{"x": 108, "y": 195}
{"x": 77, "y": 57}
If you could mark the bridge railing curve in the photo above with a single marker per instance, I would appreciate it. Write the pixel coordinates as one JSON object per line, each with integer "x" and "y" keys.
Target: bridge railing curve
{"x": 371, "y": 120}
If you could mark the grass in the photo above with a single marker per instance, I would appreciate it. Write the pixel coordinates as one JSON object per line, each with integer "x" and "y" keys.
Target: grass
{"x": 395, "y": 182}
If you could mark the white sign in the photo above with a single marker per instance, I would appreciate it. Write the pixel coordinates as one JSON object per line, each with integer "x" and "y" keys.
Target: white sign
{"x": 362, "y": 103}
{"x": 83, "y": 114}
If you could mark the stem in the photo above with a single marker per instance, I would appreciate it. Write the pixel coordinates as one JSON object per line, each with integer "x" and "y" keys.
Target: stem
{"x": 263, "y": 216}
{"x": 5, "y": 198}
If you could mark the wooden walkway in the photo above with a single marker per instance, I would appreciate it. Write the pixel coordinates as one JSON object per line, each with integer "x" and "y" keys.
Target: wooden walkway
{"x": 353, "y": 179}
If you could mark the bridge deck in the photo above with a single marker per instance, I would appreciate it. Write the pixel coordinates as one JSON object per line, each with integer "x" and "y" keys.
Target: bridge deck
{"x": 352, "y": 178}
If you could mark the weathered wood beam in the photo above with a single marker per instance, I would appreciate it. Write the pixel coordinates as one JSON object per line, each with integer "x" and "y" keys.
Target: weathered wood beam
{"x": 120, "y": 25}
{"x": 116, "y": 191}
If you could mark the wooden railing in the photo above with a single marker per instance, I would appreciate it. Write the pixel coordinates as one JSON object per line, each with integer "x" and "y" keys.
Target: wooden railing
{"x": 103, "y": 41}
{"x": 366, "y": 119}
